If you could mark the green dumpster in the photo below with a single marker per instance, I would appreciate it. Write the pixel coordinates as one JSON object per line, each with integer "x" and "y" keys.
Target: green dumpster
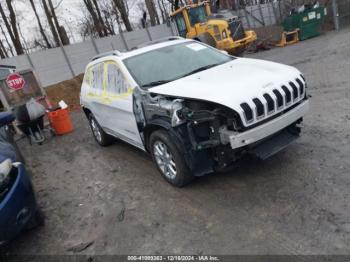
{"x": 309, "y": 22}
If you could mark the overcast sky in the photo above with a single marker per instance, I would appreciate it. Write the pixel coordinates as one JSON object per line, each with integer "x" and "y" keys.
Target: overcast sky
{"x": 69, "y": 12}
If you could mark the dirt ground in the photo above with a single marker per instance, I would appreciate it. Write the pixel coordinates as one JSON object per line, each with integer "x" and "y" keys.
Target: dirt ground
{"x": 296, "y": 202}
{"x": 68, "y": 90}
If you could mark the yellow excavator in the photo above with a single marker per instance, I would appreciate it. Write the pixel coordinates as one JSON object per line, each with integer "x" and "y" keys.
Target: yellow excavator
{"x": 196, "y": 21}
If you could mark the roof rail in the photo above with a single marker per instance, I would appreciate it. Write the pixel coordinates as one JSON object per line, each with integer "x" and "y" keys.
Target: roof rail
{"x": 114, "y": 52}
{"x": 160, "y": 40}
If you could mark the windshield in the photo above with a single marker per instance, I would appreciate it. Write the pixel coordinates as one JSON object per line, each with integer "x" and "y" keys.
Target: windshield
{"x": 197, "y": 15}
{"x": 173, "y": 62}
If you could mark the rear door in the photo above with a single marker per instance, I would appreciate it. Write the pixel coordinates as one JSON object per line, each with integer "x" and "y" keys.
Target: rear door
{"x": 93, "y": 90}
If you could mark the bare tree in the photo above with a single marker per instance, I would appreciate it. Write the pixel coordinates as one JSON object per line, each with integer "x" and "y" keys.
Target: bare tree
{"x": 13, "y": 21}
{"x": 94, "y": 16}
{"x": 3, "y": 52}
{"x": 6, "y": 39}
{"x": 61, "y": 30}
{"x": 12, "y": 28}
{"x": 42, "y": 31}
{"x": 120, "y": 5}
{"x": 98, "y": 11}
{"x": 51, "y": 24}
{"x": 108, "y": 10}
{"x": 153, "y": 15}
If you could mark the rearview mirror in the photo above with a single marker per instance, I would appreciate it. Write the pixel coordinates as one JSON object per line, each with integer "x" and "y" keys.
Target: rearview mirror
{"x": 6, "y": 118}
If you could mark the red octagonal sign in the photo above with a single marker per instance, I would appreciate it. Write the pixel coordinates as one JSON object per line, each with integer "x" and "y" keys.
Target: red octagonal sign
{"x": 15, "y": 81}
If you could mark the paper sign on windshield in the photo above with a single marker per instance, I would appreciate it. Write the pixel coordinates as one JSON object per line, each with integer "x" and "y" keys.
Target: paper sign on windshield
{"x": 196, "y": 47}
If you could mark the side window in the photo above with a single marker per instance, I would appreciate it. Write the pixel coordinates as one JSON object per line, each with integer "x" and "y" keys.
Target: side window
{"x": 116, "y": 82}
{"x": 96, "y": 79}
{"x": 181, "y": 25}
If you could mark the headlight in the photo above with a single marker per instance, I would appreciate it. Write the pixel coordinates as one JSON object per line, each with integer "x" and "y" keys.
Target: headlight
{"x": 5, "y": 169}
{"x": 224, "y": 34}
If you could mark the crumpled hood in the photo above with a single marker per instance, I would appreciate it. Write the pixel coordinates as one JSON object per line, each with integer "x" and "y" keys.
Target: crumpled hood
{"x": 232, "y": 83}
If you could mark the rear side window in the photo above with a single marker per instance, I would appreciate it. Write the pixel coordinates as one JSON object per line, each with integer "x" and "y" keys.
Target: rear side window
{"x": 93, "y": 79}
{"x": 116, "y": 82}
{"x": 97, "y": 79}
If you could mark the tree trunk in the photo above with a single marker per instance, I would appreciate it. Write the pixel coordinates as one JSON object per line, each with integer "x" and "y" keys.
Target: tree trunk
{"x": 123, "y": 13}
{"x": 15, "y": 40}
{"x": 165, "y": 10}
{"x": 17, "y": 43}
{"x": 7, "y": 41}
{"x": 40, "y": 25}
{"x": 100, "y": 18}
{"x": 63, "y": 37}
{"x": 94, "y": 16}
{"x": 52, "y": 26}
{"x": 3, "y": 53}
{"x": 152, "y": 12}
{"x": 161, "y": 11}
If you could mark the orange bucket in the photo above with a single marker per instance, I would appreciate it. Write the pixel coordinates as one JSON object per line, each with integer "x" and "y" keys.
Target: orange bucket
{"x": 60, "y": 121}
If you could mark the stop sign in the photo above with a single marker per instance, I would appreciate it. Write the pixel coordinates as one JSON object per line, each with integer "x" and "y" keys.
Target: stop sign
{"x": 15, "y": 81}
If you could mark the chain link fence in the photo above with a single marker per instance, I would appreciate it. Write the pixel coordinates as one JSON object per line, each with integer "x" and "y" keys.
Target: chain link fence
{"x": 342, "y": 13}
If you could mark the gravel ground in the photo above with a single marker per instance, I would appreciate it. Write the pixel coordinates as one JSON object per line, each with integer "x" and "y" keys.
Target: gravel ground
{"x": 296, "y": 202}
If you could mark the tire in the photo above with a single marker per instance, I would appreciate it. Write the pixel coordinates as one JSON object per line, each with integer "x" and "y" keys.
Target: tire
{"x": 101, "y": 137}
{"x": 169, "y": 159}
{"x": 37, "y": 220}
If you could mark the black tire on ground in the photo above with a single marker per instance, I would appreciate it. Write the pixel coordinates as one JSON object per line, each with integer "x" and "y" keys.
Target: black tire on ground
{"x": 182, "y": 175}
{"x": 37, "y": 220}
{"x": 101, "y": 137}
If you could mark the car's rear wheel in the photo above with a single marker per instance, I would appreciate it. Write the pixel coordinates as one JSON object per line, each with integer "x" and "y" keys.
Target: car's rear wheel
{"x": 101, "y": 137}
{"x": 169, "y": 160}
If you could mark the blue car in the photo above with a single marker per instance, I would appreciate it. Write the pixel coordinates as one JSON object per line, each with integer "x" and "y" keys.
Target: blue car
{"x": 18, "y": 207}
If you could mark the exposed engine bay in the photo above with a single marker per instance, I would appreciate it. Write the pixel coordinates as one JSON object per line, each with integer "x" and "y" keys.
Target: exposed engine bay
{"x": 201, "y": 127}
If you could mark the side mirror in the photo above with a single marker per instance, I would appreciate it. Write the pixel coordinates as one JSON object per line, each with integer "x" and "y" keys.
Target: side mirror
{"x": 6, "y": 118}
{"x": 224, "y": 52}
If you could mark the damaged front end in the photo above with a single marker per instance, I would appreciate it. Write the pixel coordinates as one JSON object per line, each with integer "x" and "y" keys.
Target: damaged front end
{"x": 203, "y": 130}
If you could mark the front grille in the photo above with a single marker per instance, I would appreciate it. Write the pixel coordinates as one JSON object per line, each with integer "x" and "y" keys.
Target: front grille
{"x": 288, "y": 94}
{"x": 259, "y": 107}
{"x": 274, "y": 101}
{"x": 279, "y": 98}
{"x": 295, "y": 90}
{"x": 270, "y": 103}
{"x": 248, "y": 112}
{"x": 301, "y": 86}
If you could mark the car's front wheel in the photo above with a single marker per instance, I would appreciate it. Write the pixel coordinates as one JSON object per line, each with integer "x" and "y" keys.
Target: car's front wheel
{"x": 169, "y": 160}
{"x": 101, "y": 137}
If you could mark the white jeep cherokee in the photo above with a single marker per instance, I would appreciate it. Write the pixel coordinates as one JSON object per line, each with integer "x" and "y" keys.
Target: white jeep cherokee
{"x": 194, "y": 108}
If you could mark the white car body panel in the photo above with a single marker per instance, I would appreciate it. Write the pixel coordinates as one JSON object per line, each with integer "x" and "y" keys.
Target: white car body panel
{"x": 230, "y": 84}
{"x": 116, "y": 116}
{"x": 234, "y": 83}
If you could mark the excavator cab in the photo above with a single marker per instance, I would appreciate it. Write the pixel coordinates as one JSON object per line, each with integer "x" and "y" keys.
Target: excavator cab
{"x": 196, "y": 21}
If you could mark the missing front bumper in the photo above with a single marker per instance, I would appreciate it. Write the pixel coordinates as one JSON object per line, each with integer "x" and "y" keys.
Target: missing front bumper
{"x": 274, "y": 144}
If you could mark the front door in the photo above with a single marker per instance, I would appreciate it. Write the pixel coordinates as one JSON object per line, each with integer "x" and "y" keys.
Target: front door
{"x": 117, "y": 104}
